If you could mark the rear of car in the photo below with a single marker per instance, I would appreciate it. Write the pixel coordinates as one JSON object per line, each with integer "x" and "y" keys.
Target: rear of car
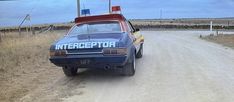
{"x": 97, "y": 42}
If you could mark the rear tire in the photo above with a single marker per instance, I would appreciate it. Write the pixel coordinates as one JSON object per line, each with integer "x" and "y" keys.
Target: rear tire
{"x": 130, "y": 68}
{"x": 70, "y": 71}
{"x": 140, "y": 52}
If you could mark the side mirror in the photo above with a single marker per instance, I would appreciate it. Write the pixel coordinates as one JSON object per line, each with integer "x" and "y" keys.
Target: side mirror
{"x": 137, "y": 29}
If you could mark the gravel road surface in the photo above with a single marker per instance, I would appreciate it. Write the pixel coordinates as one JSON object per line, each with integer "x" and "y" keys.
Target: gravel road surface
{"x": 177, "y": 66}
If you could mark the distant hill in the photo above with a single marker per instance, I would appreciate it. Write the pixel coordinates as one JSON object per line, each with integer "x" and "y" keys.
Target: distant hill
{"x": 228, "y": 21}
{"x": 192, "y": 23}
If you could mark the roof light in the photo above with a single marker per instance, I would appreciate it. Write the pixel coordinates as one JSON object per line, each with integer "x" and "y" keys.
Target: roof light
{"x": 116, "y": 9}
{"x": 85, "y": 12}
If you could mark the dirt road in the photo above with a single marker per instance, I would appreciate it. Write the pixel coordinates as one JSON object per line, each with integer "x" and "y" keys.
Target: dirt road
{"x": 176, "y": 67}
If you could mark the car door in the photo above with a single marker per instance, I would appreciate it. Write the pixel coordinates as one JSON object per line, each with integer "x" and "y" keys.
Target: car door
{"x": 136, "y": 36}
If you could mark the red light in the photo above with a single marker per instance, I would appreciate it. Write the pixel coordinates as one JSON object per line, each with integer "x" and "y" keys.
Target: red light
{"x": 116, "y": 8}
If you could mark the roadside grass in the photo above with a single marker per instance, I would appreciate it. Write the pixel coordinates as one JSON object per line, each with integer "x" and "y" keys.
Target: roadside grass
{"x": 224, "y": 39}
{"x": 24, "y": 63}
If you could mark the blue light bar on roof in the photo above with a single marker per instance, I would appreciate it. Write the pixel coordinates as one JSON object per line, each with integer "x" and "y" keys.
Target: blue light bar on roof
{"x": 85, "y": 12}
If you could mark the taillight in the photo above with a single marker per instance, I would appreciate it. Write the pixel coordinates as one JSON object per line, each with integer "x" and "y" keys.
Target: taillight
{"x": 58, "y": 53}
{"x": 115, "y": 51}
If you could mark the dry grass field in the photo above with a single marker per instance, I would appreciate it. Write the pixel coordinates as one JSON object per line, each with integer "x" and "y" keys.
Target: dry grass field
{"x": 185, "y": 21}
{"x": 24, "y": 63}
{"x": 224, "y": 39}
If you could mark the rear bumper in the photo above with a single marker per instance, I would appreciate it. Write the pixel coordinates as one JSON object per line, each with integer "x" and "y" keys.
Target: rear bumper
{"x": 90, "y": 61}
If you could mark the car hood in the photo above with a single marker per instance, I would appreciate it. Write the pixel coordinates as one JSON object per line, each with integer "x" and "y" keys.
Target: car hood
{"x": 100, "y": 40}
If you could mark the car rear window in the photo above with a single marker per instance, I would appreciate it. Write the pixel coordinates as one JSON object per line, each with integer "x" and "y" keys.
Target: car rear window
{"x": 98, "y": 27}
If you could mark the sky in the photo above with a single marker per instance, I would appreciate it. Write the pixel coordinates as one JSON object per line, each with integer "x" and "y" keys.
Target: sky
{"x": 58, "y": 11}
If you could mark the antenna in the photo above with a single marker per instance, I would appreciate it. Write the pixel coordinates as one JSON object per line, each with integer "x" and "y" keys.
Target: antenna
{"x": 109, "y": 6}
{"x": 78, "y": 8}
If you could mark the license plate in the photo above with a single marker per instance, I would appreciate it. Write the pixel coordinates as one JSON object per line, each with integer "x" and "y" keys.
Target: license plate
{"x": 84, "y": 62}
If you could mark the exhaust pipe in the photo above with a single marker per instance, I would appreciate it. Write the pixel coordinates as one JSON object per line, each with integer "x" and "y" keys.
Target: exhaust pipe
{"x": 107, "y": 67}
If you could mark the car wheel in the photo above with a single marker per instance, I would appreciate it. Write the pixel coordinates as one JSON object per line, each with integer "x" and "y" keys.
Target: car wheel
{"x": 140, "y": 52}
{"x": 70, "y": 71}
{"x": 130, "y": 68}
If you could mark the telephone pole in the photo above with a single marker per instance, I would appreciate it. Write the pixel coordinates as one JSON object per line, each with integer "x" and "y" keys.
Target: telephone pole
{"x": 160, "y": 13}
{"x": 26, "y": 18}
{"x": 160, "y": 16}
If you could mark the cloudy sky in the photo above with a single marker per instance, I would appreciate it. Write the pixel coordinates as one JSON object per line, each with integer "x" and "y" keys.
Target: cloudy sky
{"x": 53, "y": 11}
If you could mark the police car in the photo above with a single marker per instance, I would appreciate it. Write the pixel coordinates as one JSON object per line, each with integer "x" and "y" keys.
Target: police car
{"x": 104, "y": 41}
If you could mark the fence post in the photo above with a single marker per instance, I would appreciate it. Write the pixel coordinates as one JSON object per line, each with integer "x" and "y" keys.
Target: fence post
{"x": 19, "y": 30}
{"x": 0, "y": 37}
{"x": 33, "y": 31}
{"x": 211, "y": 27}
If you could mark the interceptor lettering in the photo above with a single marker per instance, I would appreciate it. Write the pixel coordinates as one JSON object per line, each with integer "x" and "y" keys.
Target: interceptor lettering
{"x": 83, "y": 45}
